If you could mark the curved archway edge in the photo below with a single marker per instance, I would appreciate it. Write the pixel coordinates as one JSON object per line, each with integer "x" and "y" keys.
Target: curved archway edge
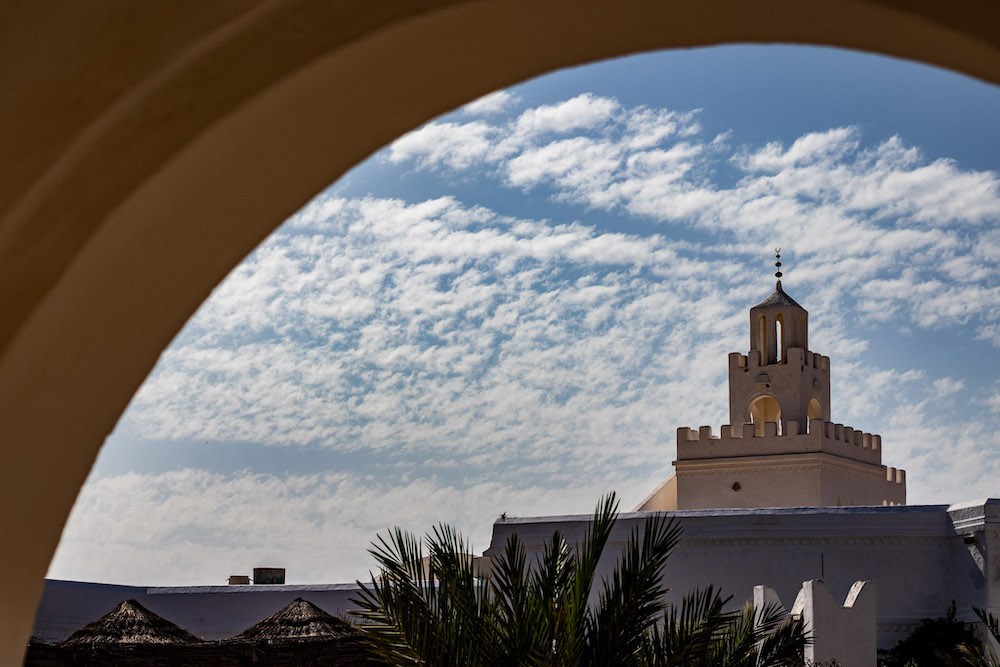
{"x": 151, "y": 146}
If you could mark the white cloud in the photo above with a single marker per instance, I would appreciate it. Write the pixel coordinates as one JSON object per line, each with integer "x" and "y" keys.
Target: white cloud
{"x": 444, "y": 331}
{"x": 190, "y": 527}
{"x": 878, "y": 221}
{"x": 571, "y": 163}
{"x": 434, "y": 327}
{"x": 812, "y": 147}
{"x": 493, "y": 103}
{"x": 579, "y": 113}
{"x": 458, "y": 146}
{"x": 946, "y": 461}
{"x": 947, "y": 386}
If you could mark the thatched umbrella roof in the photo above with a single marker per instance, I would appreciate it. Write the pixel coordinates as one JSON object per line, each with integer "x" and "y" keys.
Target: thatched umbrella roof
{"x": 130, "y": 623}
{"x": 300, "y": 619}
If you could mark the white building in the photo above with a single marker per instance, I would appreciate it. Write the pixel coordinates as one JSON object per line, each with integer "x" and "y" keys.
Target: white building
{"x": 783, "y": 495}
{"x": 921, "y": 557}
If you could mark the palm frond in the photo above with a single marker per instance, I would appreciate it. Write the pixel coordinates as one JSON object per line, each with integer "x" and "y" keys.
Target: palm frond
{"x": 983, "y": 656}
{"x": 551, "y": 583}
{"x": 781, "y": 640}
{"x": 517, "y": 624}
{"x": 761, "y": 637}
{"x": 438, "y": 611}
{"x": 395, "y": 606}
{"x": 633, "y": 596}
{"x": 691, "y": 630}
{"x": 991, "y": 622}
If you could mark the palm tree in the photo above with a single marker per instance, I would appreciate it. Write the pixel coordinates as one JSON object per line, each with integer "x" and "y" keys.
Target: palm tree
{"x": 983, "y": 656}
{"x": 701, "y": 634}
{"x": 543, "y": 615}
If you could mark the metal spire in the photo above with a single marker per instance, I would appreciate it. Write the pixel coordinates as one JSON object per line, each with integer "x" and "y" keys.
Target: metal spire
{"x": 777, "y": 264}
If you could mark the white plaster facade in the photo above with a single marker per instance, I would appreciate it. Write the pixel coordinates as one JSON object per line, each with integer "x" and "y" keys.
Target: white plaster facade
{"x": 780, "y": 448}
{"x": 842, "y": 632}
{"x": 920, "y": 557}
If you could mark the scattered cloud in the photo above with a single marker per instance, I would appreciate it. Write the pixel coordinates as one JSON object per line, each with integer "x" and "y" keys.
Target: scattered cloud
{"x": 808, "y": 149}
{"x": 493, "y": 103}
{"x": 582, "y": 112}
{"x": 948, "y": 386}
{"x": 436, "y": 327}
{"x": 905, "y": 233}
{"x": 191, "y": 527}
{"x": 468, "y": 348}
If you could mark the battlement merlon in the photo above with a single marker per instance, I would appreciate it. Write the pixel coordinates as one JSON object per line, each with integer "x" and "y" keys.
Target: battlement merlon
{"x": 821, "y": 436}
{"x": 895, "y": 475}
{"x": 796, "y": 356}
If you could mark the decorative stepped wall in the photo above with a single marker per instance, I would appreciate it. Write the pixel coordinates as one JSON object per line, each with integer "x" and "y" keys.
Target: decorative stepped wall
{"x": 796, "y": 357}
{"x": 821, "y": 436}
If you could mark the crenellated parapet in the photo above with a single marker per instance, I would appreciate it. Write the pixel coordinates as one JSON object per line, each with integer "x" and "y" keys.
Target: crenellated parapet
{"x": 797, "y": 387}
{"x": 796, "y": 357}
{"x": 821, "y": 436}
{"x": 895, "y": 477}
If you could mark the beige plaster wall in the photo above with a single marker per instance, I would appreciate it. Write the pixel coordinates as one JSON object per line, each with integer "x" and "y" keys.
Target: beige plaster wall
{"x": 149, "y": 146}
{"x": 791, "y": 480}
{"x": 664, "y": 497}
{"x": 836, "y": 439}
{"x": 784, "y": 480}
{"x": 793, "y": 383}
{"x": 848, "y": 485}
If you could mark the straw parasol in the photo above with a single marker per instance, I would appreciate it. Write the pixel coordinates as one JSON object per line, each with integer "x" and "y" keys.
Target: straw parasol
{"x": 300, "y": 619}
{"x": 130, "y": 623}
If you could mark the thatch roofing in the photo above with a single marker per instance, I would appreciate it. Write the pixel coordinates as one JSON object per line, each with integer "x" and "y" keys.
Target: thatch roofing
{"x": 130, "y": 623}
{"x": 300, "y": 619}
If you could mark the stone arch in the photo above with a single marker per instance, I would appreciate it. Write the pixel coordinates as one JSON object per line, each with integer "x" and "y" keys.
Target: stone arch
{"x": 815, "y": 409}
{"x": 763, "y": 409}
{"x": 133, "y": 186}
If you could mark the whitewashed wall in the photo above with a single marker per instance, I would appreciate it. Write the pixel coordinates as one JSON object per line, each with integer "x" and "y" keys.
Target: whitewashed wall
{"x": 916, "y": 554}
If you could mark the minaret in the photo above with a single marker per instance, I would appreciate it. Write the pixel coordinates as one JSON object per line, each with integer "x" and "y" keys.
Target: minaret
{"x": 780, "y": 448}
{"x": 779, "y": 380}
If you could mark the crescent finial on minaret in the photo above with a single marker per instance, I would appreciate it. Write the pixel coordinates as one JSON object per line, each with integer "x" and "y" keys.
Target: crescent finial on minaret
{"x": 777, "y": 264}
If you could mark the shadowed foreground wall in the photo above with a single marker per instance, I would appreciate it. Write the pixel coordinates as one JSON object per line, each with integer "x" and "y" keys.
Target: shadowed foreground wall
{"x": 922, "y": 557}
{"x": 919, "y": 555}
{"x": 147, "y": 147}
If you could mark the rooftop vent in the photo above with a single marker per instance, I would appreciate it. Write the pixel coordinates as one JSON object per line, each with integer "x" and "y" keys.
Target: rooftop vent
{"x": 269, "y": 575}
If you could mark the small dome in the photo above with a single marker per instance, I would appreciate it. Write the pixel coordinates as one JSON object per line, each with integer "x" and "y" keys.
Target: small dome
{"x": 778, "y": 299}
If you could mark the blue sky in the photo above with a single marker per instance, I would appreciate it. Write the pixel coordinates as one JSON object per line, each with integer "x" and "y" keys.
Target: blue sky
{"x": 512, "y": 308}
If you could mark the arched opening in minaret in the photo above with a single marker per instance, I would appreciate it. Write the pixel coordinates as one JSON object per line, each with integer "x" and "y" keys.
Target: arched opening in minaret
{"x": 779, "y": 338}
{"x": 762, "y": 339}
{"x": 762, "y": 410}
{"x": 815, "y": 410}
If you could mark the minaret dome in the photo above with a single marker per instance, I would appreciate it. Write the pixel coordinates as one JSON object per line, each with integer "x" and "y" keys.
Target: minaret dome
{"x": 776, "y": 324}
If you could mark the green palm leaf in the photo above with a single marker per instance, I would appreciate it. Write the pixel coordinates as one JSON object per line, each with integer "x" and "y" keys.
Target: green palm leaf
{"x": 439, "y": 612}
